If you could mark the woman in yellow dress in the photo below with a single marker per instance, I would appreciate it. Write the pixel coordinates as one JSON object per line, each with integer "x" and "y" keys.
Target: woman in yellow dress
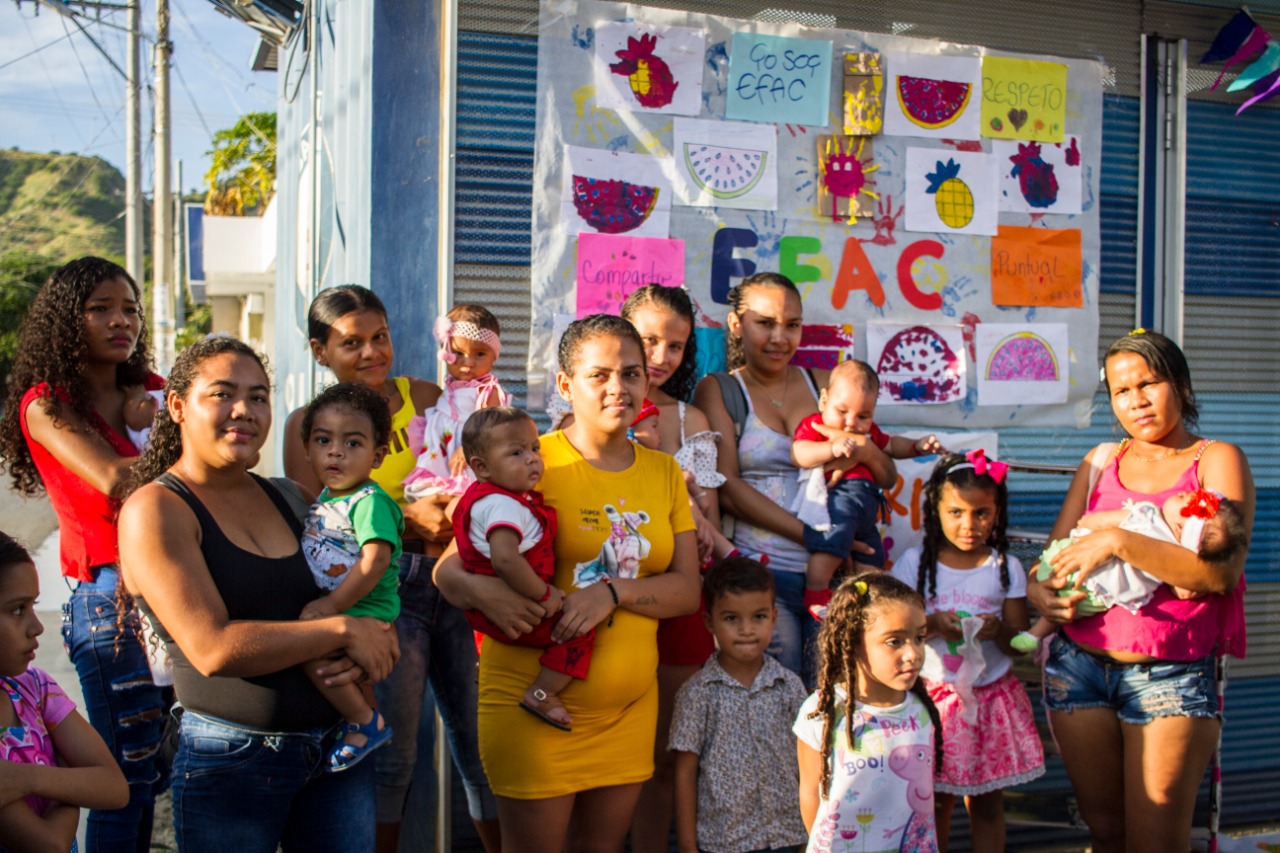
{"x": 623, "y": 514}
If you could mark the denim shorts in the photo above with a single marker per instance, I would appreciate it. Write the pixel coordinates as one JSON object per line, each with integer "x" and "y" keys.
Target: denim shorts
{"x": 853, "y": 505}
{"x": 1075, "y": 680}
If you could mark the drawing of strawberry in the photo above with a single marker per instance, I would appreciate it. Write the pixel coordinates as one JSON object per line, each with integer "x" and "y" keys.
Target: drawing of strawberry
{"x": 1036, "y": 180}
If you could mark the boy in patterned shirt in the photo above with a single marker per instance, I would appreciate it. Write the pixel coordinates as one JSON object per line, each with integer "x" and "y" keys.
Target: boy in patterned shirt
{"x": 737, "y": 782}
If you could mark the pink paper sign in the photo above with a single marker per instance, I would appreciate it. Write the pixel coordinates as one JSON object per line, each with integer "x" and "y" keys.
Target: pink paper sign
{"x": 611, "y": 266}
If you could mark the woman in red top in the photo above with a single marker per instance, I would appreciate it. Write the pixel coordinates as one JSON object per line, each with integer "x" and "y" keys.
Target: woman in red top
{"x": 82, "y": 357}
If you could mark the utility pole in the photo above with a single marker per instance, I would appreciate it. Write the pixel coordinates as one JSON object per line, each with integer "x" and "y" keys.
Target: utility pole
{"x": 133, "y": 145}
{"x": 162, "y": 203}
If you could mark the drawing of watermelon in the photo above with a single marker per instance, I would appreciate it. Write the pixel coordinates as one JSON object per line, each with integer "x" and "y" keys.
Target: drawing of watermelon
{"x": 932, "y": 103}
{"x": 725, "y": 172}
{"x": 917, "y": 366}
{"x": 1022, "y": 357}
{"x": 613, "y": 207}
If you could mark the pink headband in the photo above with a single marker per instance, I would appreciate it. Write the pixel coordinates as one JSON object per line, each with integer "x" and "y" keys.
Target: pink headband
{"x": 445, "y": 330}
{"x": 980, "y": 464}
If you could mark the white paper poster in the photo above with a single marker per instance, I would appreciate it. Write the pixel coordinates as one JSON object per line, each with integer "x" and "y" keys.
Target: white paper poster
{"x": 615, "y": 192}
{"x": 918, "y": 364}
{"x": 933, "y": 96}
{"x": 1021, "y": 364}
{"x": 649, "y": 69}
{"x": 1038, "y": 177}
{"x": 726, "y": 164}
{"x": 951, "y": 192}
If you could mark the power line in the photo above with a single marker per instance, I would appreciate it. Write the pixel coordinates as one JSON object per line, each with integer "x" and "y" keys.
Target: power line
{"x": 49, "y": 76}
{"x": 85, "y": 72}
{"x": 182, "y": 80}
{"x": 34, "y": 52}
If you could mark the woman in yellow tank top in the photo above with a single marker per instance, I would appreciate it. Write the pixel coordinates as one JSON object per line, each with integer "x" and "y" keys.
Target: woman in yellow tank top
{"x": 349, "y": 335}
{"x": 584, "y": 784}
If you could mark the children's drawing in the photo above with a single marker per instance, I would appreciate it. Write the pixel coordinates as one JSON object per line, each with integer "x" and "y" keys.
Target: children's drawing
{"x": 933, "y": 96}
{"x": 726, "y": 164}
{"x": 1023, "y": 99}
{"x": 824, "y": 346}
{"x": 1033, "y": 266}
{"x": 651, "y": 69}
{"x": 918, "y": 364}
{"x": 951, "y": 192}
{"x": 844, "y": 182}
{"x": 615, "y": 192}
{"x": 610, "y": 267}
{"x": 1022, "y": 364}
{"x": 863, "y": 94}
{"x": 1039, "y": 177}
{"x": 778, "y": 79}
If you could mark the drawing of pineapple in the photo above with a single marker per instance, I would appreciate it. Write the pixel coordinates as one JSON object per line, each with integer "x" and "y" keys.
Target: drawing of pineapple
{"x": 951, "y": 196}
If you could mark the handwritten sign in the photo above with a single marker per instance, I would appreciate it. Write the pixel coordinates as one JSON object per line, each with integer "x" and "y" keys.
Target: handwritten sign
{"x": 610, "y": 267}
{"x": 1023, "y": 99}
{"x": 1036, "y": 266}
{"x": 779, "y": 79}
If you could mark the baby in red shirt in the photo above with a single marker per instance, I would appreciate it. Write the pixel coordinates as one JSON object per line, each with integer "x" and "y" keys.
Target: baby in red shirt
{"x": 850, "y": 459}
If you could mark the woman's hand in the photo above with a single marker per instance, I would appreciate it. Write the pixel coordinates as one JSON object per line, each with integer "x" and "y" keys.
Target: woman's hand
{"x": 457, "y": 463}
{"x": 373, "y": 646}
{"x": 428, "y": 519}
{"x": 321, "y": 608}
{"x": 506, "y": 608}
{"x": 1043, "y": 596}
{"x": 1086, "y": 554}
{"x": 705, "y": 532}
{"x": 584, "y": 609}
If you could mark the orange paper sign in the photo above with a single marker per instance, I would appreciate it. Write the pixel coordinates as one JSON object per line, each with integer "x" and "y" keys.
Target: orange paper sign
{"x": 1036, "y": 266}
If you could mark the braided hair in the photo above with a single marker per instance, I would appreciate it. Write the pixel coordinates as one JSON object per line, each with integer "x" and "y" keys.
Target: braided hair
{"x": 852, "y": 607}
{"x": 955, "y": 468}
{"x": 735, "y": 355}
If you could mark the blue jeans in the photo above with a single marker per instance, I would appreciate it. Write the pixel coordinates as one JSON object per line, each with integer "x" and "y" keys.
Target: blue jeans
{"x": 122, "y": 703}
{"x": 437, "y": 647}
{"x": 854, "y": 507}
{"x": 795, "y": 635}
{"x": 239, "y": 790}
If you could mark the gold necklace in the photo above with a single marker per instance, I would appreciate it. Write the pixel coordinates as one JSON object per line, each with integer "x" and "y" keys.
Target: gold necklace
{"x": 786, "y": 385}
{"x": 1163, "y": 456}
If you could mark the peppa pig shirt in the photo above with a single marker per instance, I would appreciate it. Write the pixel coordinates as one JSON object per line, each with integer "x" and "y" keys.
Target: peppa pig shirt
{"x": 881, "y": 797}
{"x": 969, "y": 592}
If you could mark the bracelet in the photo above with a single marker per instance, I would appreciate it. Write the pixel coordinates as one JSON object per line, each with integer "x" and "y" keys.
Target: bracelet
{"x": 545, "y": 595}
{"x": 609, "y": 585}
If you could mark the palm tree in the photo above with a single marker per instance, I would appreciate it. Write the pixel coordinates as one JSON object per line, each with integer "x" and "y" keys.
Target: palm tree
{"x": 242, "y": 176}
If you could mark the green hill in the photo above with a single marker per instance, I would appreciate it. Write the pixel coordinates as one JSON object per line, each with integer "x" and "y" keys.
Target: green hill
{"x": 60, "y": 205}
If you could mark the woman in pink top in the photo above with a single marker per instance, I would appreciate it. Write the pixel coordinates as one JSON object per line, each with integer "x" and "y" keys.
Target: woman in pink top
{"x": 1131, "y": 696}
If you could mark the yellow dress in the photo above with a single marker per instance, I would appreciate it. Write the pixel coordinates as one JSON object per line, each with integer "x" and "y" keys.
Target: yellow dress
{"x": 399, "y": 460}
{"x": 637, "y": 512}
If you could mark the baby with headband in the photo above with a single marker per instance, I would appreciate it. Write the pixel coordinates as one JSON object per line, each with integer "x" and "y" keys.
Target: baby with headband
{"x": 469, "y": 345}
{"x": 1202, "y": 521}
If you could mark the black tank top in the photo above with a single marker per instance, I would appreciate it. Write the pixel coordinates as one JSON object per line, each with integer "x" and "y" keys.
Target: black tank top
{"x": 257, "y": 588}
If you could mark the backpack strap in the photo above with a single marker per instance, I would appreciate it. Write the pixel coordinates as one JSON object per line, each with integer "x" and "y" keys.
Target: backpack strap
{"x": 735, "y": 401}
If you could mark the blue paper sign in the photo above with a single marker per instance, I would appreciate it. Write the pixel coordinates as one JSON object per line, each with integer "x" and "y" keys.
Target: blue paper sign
{"x": 779, "y": 79}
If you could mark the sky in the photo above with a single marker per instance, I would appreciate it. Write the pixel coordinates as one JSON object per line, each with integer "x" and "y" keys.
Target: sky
{"x": 67, "y": 97}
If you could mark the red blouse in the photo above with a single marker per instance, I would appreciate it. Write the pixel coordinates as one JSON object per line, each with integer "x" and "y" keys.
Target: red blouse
{"x": 86, "y": 516}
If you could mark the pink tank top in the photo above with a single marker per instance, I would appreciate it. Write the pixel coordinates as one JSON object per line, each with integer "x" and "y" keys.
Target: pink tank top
{"x": 1166, "y": 627}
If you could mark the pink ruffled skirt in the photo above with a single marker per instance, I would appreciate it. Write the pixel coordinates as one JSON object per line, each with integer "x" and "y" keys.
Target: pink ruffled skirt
{"x": 1001, "y": 748}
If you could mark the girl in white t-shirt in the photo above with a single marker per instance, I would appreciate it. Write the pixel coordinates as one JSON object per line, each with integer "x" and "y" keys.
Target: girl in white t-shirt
{"x": 975, "y": 597}
{"x": 869, "y": 737}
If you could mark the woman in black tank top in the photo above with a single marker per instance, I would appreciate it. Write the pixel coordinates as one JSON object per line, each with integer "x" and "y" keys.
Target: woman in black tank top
{"x": 211, "y": 553}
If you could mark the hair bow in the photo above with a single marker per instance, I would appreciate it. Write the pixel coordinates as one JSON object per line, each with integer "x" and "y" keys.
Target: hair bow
{"x": 982, "y": 465}
{"x": 860, "y": 587}
{"x": 443, "y": 331}
{"x": 1203, "y": 504}
{"x": 648, "y": 410}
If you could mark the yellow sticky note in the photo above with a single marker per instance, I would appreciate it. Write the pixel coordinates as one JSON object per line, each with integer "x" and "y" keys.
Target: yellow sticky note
{"x": 1023, "y": 99}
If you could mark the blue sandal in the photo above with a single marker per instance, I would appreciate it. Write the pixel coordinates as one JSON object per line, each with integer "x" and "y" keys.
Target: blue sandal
{"x": 345, "y": 756}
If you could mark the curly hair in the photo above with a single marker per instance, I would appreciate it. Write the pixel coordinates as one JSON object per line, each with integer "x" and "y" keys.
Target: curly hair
{"x": 735, "y": 355}
{"x": 593, "y": 326}
{"x": 955, "y": 468}
{"x": 841, "y": 638}
{"x": 357, "y": 397}
{"x": 165, "y": 446}
{"x": 52, "y": 349}
{"x": 682, "y": 380}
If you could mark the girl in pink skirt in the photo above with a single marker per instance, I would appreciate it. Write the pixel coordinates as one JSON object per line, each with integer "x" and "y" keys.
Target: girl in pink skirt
{"x": 975, "y": 601}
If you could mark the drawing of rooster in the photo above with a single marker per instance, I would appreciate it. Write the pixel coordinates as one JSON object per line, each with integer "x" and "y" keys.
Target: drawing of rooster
{"x": 649, "y": 75}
